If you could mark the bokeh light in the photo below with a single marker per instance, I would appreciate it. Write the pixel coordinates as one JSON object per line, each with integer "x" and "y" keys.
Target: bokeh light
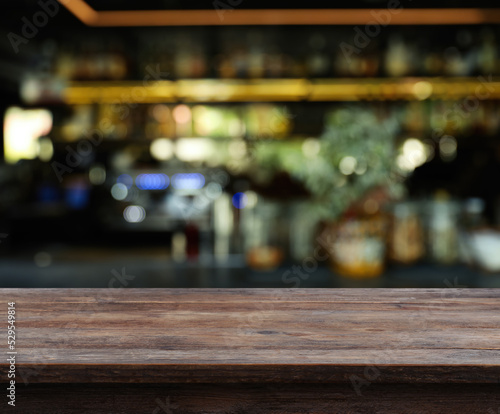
{"x": 240, "y": 200}
{"x": 162, "y": 149}
{"x": 348, "y": 165}
{"x": 125, "y": 179}
{"x": 134, "y": 214}
{"x": 119, "y": 191}
{"x": 152, "y": 181}
{"x": 192, "y": 181}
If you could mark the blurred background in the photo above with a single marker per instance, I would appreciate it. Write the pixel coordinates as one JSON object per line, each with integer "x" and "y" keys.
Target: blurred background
{"x": 211, "y": 151}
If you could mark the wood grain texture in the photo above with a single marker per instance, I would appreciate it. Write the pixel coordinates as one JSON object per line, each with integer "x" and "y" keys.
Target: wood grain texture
{"x": 256, "y": 336}
{"x": 259, "y": 399}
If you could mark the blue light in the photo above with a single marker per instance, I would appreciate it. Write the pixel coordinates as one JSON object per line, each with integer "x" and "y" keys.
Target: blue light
{"x": 194, "y": 181}
{"x": 152, "y": 181}
{"x": 126, "y": 180}
{"x": 77, "y": 196}
{"x": 240, "y": 200}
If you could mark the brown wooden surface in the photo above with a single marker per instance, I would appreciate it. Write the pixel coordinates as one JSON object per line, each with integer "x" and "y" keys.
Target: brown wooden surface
{"x": 257, "y": 336}
{"x": 259, "y": 398}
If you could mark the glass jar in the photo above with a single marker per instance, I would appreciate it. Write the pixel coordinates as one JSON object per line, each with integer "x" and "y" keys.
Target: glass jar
{"x": 358, "y": 246}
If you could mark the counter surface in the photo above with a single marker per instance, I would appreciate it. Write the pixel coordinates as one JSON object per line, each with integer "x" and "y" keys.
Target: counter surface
{"x": 256, "y": 335}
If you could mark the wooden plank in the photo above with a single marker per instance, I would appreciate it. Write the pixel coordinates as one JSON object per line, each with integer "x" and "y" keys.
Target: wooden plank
{"x": 259, "y": 398}
{"x": 256, "y": 335}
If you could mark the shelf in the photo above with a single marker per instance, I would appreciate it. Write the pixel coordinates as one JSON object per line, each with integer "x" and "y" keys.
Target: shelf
{"x": 397, "y": 16}
{"x": 187, "y": 91}
{"x": 282, "y": 90}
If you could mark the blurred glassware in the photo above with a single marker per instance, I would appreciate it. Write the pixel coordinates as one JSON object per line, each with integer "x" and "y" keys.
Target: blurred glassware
{"x": 302, "y": 229}
{"x": 406, "y": 237}
{"x": 357, "y": 246}
{"x": 399, "y": 56}
{"x": 472, "y": 214}
{"x": 442, "y": 216}
{"x": 265, "y": 230}
{"x": 484, "y": 246}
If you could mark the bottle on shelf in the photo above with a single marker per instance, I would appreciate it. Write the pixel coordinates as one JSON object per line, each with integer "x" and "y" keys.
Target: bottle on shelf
{"x": 442, "y": 229}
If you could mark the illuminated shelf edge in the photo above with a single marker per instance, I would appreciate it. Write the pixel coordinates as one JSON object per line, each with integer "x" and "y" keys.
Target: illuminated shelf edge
{"x": 283, "y": 90}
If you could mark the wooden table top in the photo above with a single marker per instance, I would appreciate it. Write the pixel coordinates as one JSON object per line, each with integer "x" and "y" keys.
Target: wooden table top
{"x": 256, "y": 335}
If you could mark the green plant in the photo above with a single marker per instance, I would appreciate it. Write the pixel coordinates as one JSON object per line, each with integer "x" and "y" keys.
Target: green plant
{"x": 355, "y": 154}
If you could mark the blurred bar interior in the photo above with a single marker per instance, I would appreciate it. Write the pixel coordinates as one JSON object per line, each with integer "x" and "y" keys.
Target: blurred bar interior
{"x": 228, "y": 144}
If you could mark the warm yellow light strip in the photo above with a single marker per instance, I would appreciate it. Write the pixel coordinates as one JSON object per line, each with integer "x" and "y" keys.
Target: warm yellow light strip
{"x": 284, "y": 90}
{"x": 237, "y": 91}
{"x": 119, "y": 92}
{"x": 280, "y": 17}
